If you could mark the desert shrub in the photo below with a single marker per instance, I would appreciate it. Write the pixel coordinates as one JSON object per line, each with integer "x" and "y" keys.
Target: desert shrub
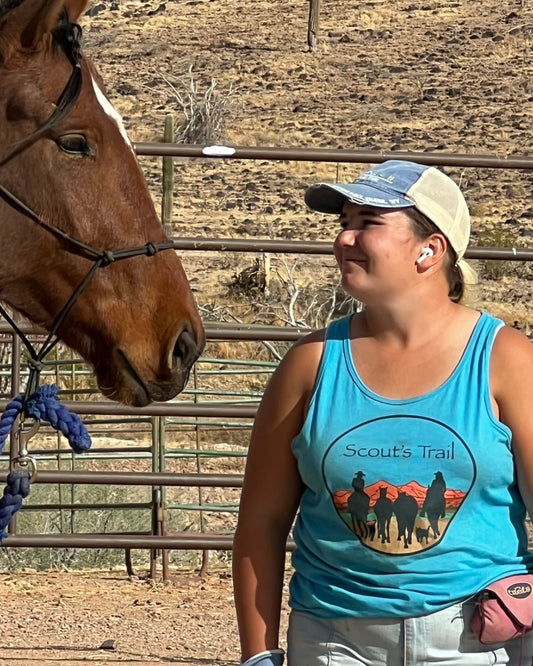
{"x": 204, "y": 110}
{"x": 54, "y": 521}
{"x": 495, "y": 269}
{"x": 249, "y": 281}
{"x": 285, "y": 294}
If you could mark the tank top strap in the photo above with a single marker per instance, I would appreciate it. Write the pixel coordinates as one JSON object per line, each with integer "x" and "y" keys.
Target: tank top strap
{"x": 339, "y": 329}
{"x": 337, "y": 333}
{"x": 479, "y": 347}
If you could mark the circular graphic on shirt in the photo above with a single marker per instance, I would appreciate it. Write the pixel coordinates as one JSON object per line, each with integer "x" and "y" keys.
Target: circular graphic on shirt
{"x": 398, "y": 482}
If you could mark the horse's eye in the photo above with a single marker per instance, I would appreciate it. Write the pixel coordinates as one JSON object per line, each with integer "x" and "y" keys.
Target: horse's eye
{"x": 74, "y": 144}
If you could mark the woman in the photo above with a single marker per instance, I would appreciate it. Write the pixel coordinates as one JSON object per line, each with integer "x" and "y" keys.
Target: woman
{"x": 391, "y": 432}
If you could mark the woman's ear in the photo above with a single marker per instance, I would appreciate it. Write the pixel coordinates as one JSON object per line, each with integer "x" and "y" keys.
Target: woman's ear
{"x": 425, "y": 254}
{"x": 432, "y": 251}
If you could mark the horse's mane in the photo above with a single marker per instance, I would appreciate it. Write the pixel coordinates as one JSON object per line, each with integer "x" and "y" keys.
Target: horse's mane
{"x": 68, "y": 36}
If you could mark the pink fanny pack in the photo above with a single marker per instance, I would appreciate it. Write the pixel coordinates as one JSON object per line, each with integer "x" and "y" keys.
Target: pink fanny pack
{"x": 504, "y": 610}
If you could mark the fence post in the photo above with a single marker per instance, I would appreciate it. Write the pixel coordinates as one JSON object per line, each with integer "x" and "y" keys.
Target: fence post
{"x": 163, "y": 498}
{"x": 159, "y": 495}
{"x": 156, "y": 494}
{"x": 168, "y": 179}
{"x": 312, "y": 28}
{"x": 15, "y": 389}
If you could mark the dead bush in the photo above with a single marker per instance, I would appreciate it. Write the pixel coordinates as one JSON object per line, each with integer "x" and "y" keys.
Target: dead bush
{"x": 204, "y": 110}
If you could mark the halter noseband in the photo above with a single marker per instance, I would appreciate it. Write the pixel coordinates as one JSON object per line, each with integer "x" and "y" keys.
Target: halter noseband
{"x": 68, "y": 35}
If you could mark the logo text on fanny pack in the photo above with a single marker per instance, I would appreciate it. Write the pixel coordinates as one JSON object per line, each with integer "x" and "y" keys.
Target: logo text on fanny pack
{"x": 519, "y": 590}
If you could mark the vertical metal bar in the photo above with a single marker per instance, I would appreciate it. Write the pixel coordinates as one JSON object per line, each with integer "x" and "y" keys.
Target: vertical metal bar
{"x": 167, "y": 201}
{"x": 168, "y": 179}
{"x": 16, "y": 358}
{"x": 155, "y": 495}
{"x": 163, "y": 497}
{"x": 205, "y": 553}
{"x": 58, "y": 460}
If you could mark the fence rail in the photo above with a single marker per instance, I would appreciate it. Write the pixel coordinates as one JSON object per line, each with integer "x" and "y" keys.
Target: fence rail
{"x": 331, "y": 155}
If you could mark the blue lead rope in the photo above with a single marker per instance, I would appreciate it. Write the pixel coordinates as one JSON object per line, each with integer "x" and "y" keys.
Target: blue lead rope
{"x": 43, "y": 405}
{"x": 17, "y": 488}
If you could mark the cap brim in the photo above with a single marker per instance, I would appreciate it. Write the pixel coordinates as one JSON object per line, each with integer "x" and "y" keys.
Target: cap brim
{"x": 330, "y": 197}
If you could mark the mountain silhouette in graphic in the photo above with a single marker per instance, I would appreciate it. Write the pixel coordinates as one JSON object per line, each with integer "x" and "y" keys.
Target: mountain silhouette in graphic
{"x": 453, "y": 498}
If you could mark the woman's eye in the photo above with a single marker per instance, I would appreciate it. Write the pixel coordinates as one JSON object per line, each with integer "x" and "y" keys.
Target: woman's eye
{"x": 74, "y": 144}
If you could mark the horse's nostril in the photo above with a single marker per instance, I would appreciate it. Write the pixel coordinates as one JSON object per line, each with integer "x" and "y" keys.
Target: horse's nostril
{"x": 186, "y": 349}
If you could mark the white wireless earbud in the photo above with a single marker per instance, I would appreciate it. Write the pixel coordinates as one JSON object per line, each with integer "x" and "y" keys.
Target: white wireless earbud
{"x": 426, "y": 252}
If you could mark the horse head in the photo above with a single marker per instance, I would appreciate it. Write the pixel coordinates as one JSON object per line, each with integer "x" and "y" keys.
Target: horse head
{"x": 70, "y": 162}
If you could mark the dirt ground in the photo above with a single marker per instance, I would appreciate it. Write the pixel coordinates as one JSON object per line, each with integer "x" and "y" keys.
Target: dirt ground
{"x": 447, "y": 76}
{"x": 102, "y": 618}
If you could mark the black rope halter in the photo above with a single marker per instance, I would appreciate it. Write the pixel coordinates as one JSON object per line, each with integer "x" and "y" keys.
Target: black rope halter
{"x": 68, "y": 36}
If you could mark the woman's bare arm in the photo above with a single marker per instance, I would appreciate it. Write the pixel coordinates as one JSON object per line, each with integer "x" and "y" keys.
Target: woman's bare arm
{"x": 512, "y": 389}
{"x": 270, "y": 498}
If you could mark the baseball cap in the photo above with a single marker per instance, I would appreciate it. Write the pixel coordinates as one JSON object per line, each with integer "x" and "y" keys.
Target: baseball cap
{"x": 402, "y": 184}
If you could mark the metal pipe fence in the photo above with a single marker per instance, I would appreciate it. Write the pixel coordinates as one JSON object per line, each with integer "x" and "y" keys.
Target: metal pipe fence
{"x": 168, "y": 444}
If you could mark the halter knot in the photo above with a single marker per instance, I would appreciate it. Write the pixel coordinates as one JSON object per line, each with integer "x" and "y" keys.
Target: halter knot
{"x": 35, "y": 364}
{"x": 108, "y": 257}
{"x": 151, "y": 249}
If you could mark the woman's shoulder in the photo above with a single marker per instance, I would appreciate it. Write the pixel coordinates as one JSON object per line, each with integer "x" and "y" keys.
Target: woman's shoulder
{"x": 511, "y": 380}
{"x": 302, "y": 360}
{"x": 312, "y": 344}
{"x": 511, "y": 344}
{"x": 511, "y": 360}
{"x": 306, "y": 352}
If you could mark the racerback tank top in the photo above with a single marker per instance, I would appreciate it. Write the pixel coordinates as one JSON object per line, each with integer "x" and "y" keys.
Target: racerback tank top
{"x": 408, "y": 505}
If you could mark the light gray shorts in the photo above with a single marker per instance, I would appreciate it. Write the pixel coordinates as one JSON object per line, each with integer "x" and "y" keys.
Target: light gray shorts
{"x": 442, "y": 638}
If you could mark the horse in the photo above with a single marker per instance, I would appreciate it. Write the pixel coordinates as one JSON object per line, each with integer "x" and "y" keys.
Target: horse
{"x": 82, "y": 251}
{"x": 434, "y": 505}
{"x": 405, "y": 508}
{"x": 383, "y": 510}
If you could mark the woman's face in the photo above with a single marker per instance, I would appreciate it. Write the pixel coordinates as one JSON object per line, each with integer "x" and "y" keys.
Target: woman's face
{"x": 376, "y": 250}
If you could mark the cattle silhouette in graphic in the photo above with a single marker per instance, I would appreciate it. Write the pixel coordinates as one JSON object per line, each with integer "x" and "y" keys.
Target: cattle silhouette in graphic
{"x": 358, "y": 505}
{"x": 405, "y": 508}
{"x": 383, "y": 511}
{"x": 434, "y": 505}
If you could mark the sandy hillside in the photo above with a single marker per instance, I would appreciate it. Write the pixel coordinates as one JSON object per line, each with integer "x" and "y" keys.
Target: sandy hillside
{"x": 441, "y": 75}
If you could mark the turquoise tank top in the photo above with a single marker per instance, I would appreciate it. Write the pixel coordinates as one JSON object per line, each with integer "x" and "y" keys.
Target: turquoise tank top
{"x": 408, "y": 505}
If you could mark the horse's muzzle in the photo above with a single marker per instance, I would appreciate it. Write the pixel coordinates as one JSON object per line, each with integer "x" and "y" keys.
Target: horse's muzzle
{"x": 135, "y": 386}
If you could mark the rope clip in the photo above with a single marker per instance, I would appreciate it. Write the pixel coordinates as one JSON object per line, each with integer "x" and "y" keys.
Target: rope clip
{"x": 23, "y": 459}
{"x": 25, "y": 433}
{"x": 26, "y": 462}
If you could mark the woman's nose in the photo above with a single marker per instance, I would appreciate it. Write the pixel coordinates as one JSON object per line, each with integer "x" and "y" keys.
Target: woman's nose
{"x": 347, "y": 237}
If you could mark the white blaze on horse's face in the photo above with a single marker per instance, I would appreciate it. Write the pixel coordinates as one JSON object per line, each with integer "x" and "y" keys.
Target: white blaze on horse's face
{"x": 111, "y": 112}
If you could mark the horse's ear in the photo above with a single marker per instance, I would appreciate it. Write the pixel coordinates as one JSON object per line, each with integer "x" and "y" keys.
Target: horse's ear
{"x": 75, "y": 9}
{"x": 46, "y": 18}
{"x": 28, "y": 24}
